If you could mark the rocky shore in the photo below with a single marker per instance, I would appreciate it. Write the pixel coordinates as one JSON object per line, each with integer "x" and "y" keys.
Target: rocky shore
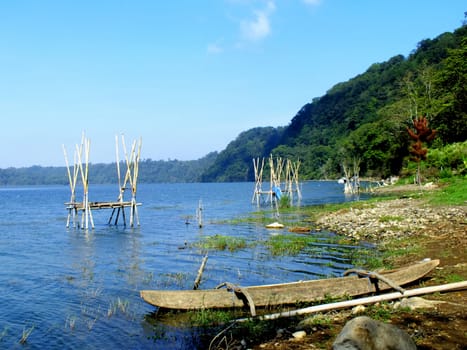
{"x": 402, "y": 217}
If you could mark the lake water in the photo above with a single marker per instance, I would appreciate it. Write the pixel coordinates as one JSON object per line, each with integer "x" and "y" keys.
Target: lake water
{"x": 78, "y": 289}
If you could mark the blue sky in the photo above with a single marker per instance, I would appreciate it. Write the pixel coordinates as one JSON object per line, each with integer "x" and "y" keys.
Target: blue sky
{"x": 185, "y": 76}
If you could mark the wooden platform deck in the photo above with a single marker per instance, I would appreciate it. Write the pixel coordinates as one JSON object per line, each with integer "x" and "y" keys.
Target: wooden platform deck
{"x": 99, "y": 205}
{"x": 118, "y": 208}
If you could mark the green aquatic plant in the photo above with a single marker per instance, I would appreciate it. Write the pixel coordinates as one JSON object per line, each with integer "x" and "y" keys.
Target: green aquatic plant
{"x": 221, "y": 242}
{"x": 123, "y": 305}
{"x": 118, "y": 305}
{"x": 284, "y": 202}
{"x": 288, "y": 244}
{"x": 209, "y": 317}
{"x": 370, "y": 259}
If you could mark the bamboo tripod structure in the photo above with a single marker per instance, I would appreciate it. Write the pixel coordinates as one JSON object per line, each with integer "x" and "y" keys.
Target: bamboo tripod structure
{"x": 352, "y": 179}
{"x": 78, "y": 170}
{"x": 131, "y": 178}
{"x": 258, "y": 180}
{"x": 85, "y": 206}
{"x": 278, "y": 169}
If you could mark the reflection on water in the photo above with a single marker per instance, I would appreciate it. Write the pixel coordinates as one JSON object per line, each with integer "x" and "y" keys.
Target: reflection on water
{"x": 77, "y": 289}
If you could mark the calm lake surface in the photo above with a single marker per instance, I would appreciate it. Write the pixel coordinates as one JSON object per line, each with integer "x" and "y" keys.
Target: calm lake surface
{"x": 78, "y": 289}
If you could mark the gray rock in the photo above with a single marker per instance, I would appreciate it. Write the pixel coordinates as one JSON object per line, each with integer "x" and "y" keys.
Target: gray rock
{"x": 415, "y": 303}
{"x": 364, "y": 333}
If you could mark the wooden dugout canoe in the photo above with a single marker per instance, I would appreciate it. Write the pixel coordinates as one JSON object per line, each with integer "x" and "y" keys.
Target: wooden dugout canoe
{"x": 273, "y": 295}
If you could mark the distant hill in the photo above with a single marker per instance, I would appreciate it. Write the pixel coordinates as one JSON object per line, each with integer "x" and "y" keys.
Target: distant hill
{"x": 150, "y": 171}
{"x": 235, "y": 163}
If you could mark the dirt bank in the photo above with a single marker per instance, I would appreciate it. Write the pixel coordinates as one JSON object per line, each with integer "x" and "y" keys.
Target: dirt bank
{"x": 438, "y": 233}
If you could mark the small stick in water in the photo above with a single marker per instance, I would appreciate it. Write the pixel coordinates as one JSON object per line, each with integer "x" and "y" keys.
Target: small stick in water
{"x": 200, "y": 272}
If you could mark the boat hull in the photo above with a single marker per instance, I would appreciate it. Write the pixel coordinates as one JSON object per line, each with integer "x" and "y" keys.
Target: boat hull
{"x": 286, "y": 293}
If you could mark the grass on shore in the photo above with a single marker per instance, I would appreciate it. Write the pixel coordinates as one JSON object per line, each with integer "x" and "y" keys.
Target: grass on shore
{"x": 453, "y": 192}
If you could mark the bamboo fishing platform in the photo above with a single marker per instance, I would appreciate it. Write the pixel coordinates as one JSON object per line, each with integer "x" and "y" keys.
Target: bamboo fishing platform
{"x": 283, "y": 181}
{"x": 85, "y": 207}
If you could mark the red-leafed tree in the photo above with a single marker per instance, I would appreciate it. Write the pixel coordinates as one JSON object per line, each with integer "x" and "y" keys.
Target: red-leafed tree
{"x": 420, "y": 134}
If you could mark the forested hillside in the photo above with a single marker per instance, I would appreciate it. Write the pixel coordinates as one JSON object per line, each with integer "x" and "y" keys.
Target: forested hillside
{"x": 366, "y": 117}
{"x": 235, "y": 162}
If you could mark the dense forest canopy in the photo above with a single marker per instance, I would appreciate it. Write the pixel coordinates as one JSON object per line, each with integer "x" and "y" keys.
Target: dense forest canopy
{"x": 365, "y": 118}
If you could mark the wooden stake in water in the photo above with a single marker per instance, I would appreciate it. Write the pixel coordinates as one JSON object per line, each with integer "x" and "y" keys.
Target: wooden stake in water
{"x": 200, "y": 272}
{"x": 199, "y": 214}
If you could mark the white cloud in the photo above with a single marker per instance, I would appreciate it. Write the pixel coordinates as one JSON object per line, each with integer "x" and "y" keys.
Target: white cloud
{"x": 258, "y": 27}
{"x": 214, "y": 49}
{"x": 312, "y": 2}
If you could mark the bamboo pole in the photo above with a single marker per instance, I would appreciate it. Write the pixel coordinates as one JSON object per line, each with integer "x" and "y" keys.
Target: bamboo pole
{"x": 127, "y": 177}
{"x": 87, "y": 215}
{"x": 75, "y": 180}
{"x": 363, "y": 301}
{"x": 136, "y": 162}
{"x": 272, "y": 178}
{"x": 88, "y": 148}
{"x": 117, "y": 158}
{"x": 279, "y": 171}
{"x": 123, "y": 216}
{"x": 125, "y": 154}
{"x": 296, "y": 167}
{"x": 255, "y": 191}
{"x": 70, "y": 209}
{"x": 78, "y": 152}
{"x": 135, "y": 175}
{"x": 132, "y": 182}
{"x": 68, "y": 169}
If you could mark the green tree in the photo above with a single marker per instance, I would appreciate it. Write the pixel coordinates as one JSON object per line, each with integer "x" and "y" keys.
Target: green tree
{"x": 451, "y": 121}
